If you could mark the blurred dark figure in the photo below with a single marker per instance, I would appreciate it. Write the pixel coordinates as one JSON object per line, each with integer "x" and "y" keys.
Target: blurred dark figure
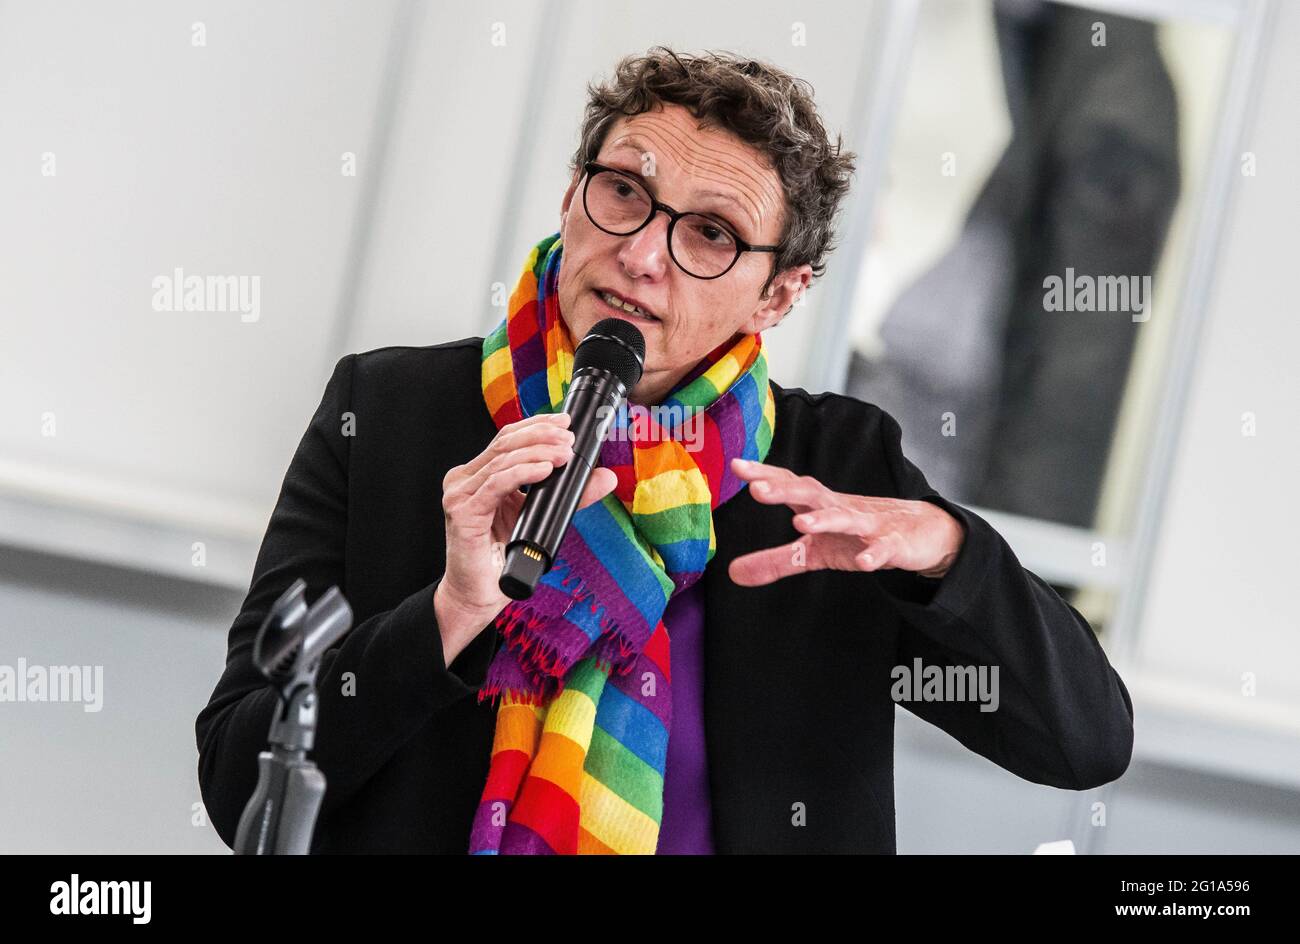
{"x": 1089, "y": 181}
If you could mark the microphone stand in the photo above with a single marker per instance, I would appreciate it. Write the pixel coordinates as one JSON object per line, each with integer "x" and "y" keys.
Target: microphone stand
{"x": 280, "y": 816}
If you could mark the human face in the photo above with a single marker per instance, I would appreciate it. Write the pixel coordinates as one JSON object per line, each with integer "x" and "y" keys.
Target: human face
{"x": 691, "y": 169}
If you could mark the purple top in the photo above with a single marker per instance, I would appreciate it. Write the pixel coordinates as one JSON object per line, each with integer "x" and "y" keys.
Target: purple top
{"x": 687, "y": 827}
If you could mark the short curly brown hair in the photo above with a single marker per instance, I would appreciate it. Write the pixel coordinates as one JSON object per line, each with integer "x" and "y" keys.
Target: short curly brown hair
{"x": 762, "y": 105}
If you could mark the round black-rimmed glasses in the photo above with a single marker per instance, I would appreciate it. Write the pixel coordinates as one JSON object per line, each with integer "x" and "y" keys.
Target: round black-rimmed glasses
{"x": 701, "y": 245}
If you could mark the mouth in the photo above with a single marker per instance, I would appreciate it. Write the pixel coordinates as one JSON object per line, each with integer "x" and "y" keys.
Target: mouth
{"x": 622, "y": 309}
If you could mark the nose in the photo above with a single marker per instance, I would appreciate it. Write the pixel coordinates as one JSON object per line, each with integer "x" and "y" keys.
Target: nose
{"x": 645, "y": 252}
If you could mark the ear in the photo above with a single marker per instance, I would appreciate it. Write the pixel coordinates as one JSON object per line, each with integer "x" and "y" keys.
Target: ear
{"x": 787, "y": 288}
{"x": 568, "y": 197}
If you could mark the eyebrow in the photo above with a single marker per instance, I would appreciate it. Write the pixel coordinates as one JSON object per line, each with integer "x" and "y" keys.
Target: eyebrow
{"x": 630, "y": 145}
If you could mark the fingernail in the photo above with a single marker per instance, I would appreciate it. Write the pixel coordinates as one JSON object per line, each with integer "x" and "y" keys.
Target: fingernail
{"x": 744, "y": 462}
{"x": 804, "y": 519}
{"x": 760, "y": 486}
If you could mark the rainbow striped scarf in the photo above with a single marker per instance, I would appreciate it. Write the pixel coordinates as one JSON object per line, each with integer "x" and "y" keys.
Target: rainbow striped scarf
{"x": 583, "y": 675}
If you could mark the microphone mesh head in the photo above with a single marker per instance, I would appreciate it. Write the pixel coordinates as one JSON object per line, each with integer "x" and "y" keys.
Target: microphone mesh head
{"x": 614, "y": 345}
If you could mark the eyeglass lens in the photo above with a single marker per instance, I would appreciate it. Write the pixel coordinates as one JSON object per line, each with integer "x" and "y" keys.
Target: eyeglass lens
{"x": 620, "y": 205}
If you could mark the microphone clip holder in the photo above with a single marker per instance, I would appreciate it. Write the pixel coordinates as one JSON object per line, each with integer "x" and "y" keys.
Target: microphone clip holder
{"x": 280, "y": 816}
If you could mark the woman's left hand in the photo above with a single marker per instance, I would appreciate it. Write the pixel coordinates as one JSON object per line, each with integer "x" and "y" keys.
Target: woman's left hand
{"x": 845, "y": 532}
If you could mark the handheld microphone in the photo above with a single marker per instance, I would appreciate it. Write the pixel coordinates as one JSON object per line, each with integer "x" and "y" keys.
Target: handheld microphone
{"x": 606, "y": 366}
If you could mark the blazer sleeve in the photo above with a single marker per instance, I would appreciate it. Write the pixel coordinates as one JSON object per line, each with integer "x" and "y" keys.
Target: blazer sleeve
{"x": 395, "y": 656}
{"x": 1064, "y": 717}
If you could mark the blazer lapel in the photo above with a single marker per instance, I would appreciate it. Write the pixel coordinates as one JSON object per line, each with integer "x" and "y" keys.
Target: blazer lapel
{"x": 734, "y": 620}
{"x": 732, "y": 615}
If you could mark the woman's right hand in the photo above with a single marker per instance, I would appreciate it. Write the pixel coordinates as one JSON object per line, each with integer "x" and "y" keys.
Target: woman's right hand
{"x": 481, "y": 502}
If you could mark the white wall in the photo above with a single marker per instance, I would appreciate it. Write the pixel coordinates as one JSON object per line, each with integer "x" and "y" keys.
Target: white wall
{"x": 222, "y": 159}
{"x": 1219, "y": 610}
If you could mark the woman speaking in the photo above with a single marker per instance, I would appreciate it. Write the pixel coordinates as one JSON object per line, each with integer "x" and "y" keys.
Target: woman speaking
{"x": 713, "y": 662}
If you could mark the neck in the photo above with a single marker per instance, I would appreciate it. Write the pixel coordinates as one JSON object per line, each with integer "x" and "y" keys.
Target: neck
{"x": 652, "y": 390}
{"x": 654, "y": 386}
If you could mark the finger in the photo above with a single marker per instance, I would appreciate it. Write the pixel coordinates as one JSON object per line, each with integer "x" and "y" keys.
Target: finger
{"x": 503, "y": 524}
{"x": 559, "y": 453}
{"x": 753, "y": 471}
{"x": 803, "y": 494}
{"x": 540, "y": 427}
{"x": 836, "y": 519}
{"x": 602, "y": 482}
{"x": 878, "y": 554}
{"x": 560, "y": 418}
{"x": 497, "y": 486}
{"x": 767, "y": 566}
{"x": 533, "y": 435}
{"x": 541, "y": 451}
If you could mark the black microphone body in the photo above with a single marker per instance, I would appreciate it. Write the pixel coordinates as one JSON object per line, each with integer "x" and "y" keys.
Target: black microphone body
{"x": 606, "y": 367}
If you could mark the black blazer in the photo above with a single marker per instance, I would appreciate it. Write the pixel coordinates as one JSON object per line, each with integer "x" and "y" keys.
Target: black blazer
{"x": 798, "y": 709}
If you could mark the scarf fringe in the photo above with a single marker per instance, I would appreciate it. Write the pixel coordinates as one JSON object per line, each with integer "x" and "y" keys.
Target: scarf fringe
{"x": 494, "y": 692}
{"x": 611, "y": 635}
{"x": 522, "y": 629}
